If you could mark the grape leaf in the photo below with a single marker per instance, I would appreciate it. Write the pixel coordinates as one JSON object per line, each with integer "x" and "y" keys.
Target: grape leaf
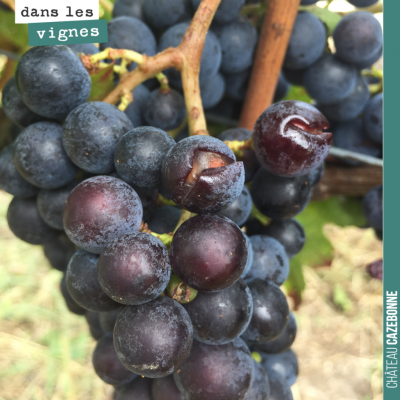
{"x": 102, "y": 82}
{"x": 329, "y": 18}
{"x": 13, "y": 37}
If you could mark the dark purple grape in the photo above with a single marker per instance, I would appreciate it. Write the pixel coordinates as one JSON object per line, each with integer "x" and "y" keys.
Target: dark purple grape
{"x": 220, "y": 372}
{"x": 379, "y": 233}
{"x": 307, "y": 3}
{"x": 368, "y": 62}
{"x": 270, "y": 261}
{"x": 221, "y": 317}
{"x": 285, "y": 364}
{"x": 270, "y": 312}
{"x": 71, "y": 304}
{"x": 373, "y": 207}
{"x": 11, "y": 180}
{"x": 139, "y": 155}
{"x": 375, "y": 269}
{"x": 108, "y": 319}
{"x": 259, "y": 387}
{"x": 279, "y": 388}
{"x": 15, "y": 108}
{"x": 93, "y": 320}
{"x": 134, "y": 268}
{"x": 373, "y": 118}
{"x": 280, "y": 197}
{"x": 52, "y": 81}
{"x": 307, "y": 42}
{"x": 40, "y": 158}
{"x": 200, "y": 174}
{"x": 85, "y": 48}
{"x": 161, "y": 14}
{"x": 139, "y": 389}
{"x": 26, "y": 223}
{"x": 59, "y": 251}
{"x": 165, "y": 389}
{"x": 282, "y": 88}
{"x": 283, "y": 341}
{"x": 250, "y": 163}
{"x": 350, "y": 135}
{"x": 130, "y": 33}
{"x": 236, "y": 88}
{"x": 316, "y": 174}
{"x": 212, "y": 91}
{"x": 362, "y": 3}
{"x": 289, "y": 139}
{"x": 134, "y": 111}
{"x": 129, "y": 8}
{"x": 148, "y": 197}
{"x": 357, "y": 36}
{"x": 289, "y": 233}
{"x": 153, "y": 339}
{"x": 91, "y": 133}
{"x": 239, "y": 211}
{"x": 295, "y": 77}
{"x": 228, "y": 10}
{"x": 51, "y": 204}
{"x": 238, "y": 41}
{"x": 249, "y": 256}
{"x": 99, "y": 210}
{"x": 107, "y": 364}
{"x": 165, "y": 110}
{"x": 83, "y": 284}
{"x": 209, "y": 252}
{"x": 165, "y": 219}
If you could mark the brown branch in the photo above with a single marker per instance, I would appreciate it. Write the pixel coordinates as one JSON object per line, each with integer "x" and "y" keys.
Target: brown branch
{"x": 274, "y": 38}
{"x": 347, "y": 181}
{"x": 185, "y": 58}
{"x": 10, "y": 3}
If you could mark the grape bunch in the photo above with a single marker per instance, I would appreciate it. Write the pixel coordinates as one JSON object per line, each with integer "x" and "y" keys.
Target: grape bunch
{"x": 149, "y": 230}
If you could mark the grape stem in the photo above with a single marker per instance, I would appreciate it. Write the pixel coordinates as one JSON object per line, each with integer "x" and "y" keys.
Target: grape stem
{"x": 185, "y": 58}
{"x": 165, "y": 238}
{"x": 257, "y": 214}
{"x": 184, "y": 217}
{"x": 237, "y": 146}
{"x": 163, "y": 201}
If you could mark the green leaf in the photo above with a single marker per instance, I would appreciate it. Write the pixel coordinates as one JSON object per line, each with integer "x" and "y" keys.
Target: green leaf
{"x": 342, "y": 211}
{"x": 13, "y": 37}
{"x": 329, "y": 18}
{"x": 102, "y": 83}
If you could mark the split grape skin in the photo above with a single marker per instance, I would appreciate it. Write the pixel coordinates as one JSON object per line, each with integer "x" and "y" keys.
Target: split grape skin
{"x": 59, "y": 251}
{"x": 91, "y": 133}
{"x": 52, "y": 81}
{"x": 221, "y": 317}
{"x": 11, "y": 181}
{"x": 280, "y": 197}
{"x": 250, "y": 163}
{"x": 164, "y": 110}
{"x": 108, "y": 319}
{"x": 93, "y": 320}
{"x": 259, "y": 387}
{"x": 289, "y": 232}
{"x": 239, "y": 211}
{"x": 209, "y": 252}
{"x": 165, "y": 389}
{"x": 71, "y": 304}
{"x": 40, "y": 158}
{"x": 51, "y": 204}
{"x": 285, "y": 364}
{"x": 107, "y": 364}
{"x": 283, "y": 341}
{"x": 25, "y": 222}
{"x": 139, "y": 156}
{"x": 200, "y": 174}
{"x": 373, "y": 207}
{"x": 289, "y": 139}
{"x": 83, "y": 283}
{"x": 270, "y": 261}
{"x": 357, "y": 36}
{"x": 139, "y": 389}
{"x": 220, "y": 372}
{"x": 15, "y": 108}
{"x": 153, "y": 339}
{"x": 99, "y": 210}
{"x": 134, "y": 268}
{"x": 270, "y": 312}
